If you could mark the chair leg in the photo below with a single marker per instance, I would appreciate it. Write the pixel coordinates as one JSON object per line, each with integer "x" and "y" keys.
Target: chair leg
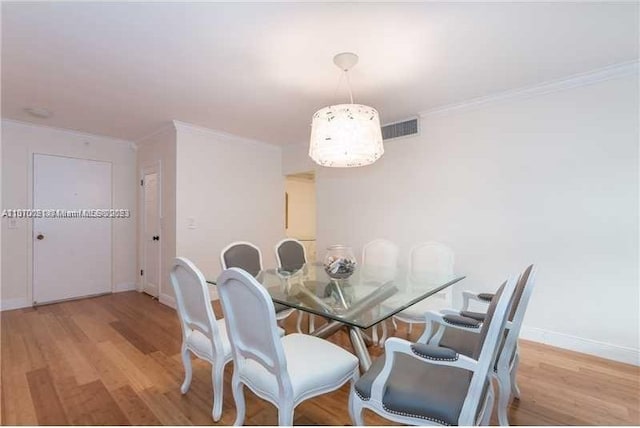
{"x": 374, "y": 334}
{"x": 515, "y": 390}
{"x": 285, "y": 414}
{"x": 217, "y": 374}
{"x": 188, "y": 371}
{"x": 355, "y": 411}
{"x": 504, "y": 393}
{"x": 355, "y": 404}
{"x": 238, "y": 397}
{"x": 385, "y": 334}
{"x": 488, "y": 408}
{"x": 312, "y": 323}
{"x": 299, "y": 322}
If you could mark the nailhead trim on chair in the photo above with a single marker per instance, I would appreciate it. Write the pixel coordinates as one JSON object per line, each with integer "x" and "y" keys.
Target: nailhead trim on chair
{"x": 360, "y": 395}
{"x": 462, "y": 324}
{"x": 429, "y": 357}
{"x": 403, "y": 413}
{"x": 415, "y": 416}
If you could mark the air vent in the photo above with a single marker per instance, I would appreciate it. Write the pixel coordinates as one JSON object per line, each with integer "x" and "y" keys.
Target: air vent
{"x": 400, "y": 129}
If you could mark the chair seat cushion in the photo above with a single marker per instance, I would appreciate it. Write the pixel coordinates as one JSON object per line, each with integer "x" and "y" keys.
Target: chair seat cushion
{"x": 201, "y": 345}
{"x": 314, "y": 365}
{"x": 461, "y": 341}
{"x": 416, "y": 388}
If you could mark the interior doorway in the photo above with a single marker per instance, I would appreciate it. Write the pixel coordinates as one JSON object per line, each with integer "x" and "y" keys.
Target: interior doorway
{"x": 300, "y": 210}
{"x": 151, "y": 226}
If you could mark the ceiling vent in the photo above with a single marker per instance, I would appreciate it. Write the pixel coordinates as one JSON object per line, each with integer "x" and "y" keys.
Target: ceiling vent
{"x": 400, "y": 129}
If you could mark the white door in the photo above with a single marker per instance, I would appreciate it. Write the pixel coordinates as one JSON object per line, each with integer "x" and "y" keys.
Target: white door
{"x": 151, "y": 231}
{"x": 71, "y": 256}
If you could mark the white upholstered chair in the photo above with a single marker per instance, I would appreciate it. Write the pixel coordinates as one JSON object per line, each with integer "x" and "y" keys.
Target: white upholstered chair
{"x": 430, "y": 264}
{"x": 380, "y": 263}
{"x": 421, "y": 384}
{"x": 284, "y": 371}
{"x": 246, "y": 256}
{"x": 202, "y": 335}
{"x": 459, "y": 330}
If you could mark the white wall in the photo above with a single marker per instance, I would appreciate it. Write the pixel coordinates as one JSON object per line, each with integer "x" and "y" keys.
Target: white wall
{"x": 231, "y": 189}
{"x": 19, "y": 142}
{"x": 161, "y": 147}
{"x": 550, "y": 179}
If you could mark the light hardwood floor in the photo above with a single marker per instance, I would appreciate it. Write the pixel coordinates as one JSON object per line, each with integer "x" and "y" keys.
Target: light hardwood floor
{"x": 115, "y": 360}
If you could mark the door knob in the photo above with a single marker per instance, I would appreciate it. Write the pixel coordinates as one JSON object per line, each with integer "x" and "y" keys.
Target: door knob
{"x": 40, "y": 237}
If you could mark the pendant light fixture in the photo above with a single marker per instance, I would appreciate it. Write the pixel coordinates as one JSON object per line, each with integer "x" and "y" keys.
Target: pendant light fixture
{"x": 346, "y": 135}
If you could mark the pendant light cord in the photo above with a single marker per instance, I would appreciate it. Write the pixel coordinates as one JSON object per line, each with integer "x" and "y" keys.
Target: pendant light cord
{"x": 346, "y": 75}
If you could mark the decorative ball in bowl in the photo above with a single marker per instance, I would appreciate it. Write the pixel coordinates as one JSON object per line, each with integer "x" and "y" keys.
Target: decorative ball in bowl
{"x": 339, "y": 263}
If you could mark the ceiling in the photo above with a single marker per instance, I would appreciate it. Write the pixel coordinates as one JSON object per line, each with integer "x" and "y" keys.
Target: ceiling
{"x": 261, "y": 70}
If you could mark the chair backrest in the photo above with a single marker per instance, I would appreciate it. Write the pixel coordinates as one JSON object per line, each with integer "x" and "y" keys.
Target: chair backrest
{"x": 431, "y": 263}
{"x": 290, "y": 254}
{"x": 521, "y": 297}
{"x": 243, "y": 255}
{"x": 194, "y": 302}
{"x": 251, "y": 324}
{"x": 380, "y": 260}
{"x": 490, "y": 336}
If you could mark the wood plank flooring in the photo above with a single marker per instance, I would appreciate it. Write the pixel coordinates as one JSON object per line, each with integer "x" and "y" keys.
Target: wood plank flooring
{"x": 115, "y": 360}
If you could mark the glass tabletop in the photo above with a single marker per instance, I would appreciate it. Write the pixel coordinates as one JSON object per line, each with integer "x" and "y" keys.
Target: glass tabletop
{"x": 369, "y": 296}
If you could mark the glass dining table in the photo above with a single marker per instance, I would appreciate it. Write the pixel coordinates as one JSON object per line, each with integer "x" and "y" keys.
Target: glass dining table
{"x": 368, "y": 297}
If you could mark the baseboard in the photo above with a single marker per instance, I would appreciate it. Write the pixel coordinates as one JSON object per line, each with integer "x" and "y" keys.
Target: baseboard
{"x": 9, "y": 304}
{"x": 125, "y": 286}
{"x": 579, "y": 344}
{"x": 167, "y": 300}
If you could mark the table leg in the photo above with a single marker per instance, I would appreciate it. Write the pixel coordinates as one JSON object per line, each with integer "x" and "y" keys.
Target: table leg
{"x": 327, "y": 329}
{"x": 367, "y": 339}
{"x": 360, "y": 348}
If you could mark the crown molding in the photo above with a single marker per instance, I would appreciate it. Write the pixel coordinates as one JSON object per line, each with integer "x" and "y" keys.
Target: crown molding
{"x": 77, "y": 133}
{"x": 583, "y": 79}
{"x": 164, "y": 127}
{"x": 220, "y": 134}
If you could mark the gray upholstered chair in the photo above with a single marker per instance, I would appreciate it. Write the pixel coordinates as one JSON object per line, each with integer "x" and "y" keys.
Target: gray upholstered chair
{"x": 422, "y": 384}
{"x": 248, "y": 257}
{"x": 292, "y": 256}
{"x": 458, "y": 330}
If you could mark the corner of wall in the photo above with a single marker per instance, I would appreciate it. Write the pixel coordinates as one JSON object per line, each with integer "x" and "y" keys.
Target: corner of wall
{"x": 167, "y": 300}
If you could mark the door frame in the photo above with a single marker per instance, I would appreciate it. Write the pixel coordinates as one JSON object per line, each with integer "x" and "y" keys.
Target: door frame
{"x": 146, "y": 168}
{"x": 31, "y": 194}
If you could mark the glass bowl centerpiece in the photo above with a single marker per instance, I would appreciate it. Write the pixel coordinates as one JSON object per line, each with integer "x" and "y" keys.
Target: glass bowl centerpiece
{"x": 339, "y": 262}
